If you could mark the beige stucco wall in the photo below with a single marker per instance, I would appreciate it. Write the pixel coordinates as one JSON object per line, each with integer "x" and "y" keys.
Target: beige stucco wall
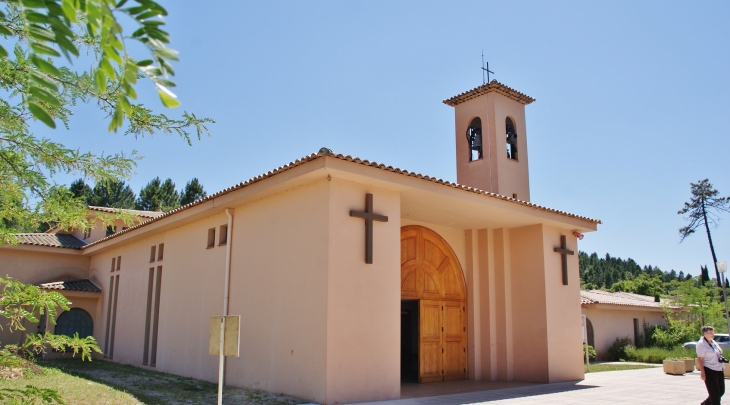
{"x": 363, "y": 306}
{"x": 524, "y": 324}
{"x": 36, "y": 265}
{"x": 616, "y": 321}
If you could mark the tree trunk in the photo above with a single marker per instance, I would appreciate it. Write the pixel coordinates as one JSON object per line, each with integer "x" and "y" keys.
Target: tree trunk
{"x": 712, "y": 248}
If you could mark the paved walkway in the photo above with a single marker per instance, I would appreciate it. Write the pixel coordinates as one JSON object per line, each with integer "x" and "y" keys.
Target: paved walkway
{"x": 646, "y": 386}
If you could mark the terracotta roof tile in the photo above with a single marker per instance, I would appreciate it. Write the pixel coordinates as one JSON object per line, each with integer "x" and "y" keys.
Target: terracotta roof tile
{"x": 324, "y": 152}
{"x": 139, "y": 213}
{"x": 59, "y": 240}
{"x": 76, "y": 285}
{"x": 491, "y": 87}
{"x": 618, "y": 298}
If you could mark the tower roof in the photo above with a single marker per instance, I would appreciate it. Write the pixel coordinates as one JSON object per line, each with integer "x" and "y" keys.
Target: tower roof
{"x": 493, "y": 86}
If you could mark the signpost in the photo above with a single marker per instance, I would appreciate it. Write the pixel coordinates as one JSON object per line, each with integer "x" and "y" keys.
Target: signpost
{"x": 585, "y": 340}
{"x": 225, "y": 340}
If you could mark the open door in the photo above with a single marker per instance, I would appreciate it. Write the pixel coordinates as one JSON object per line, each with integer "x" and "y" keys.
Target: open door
{"x": 431, "y": 274}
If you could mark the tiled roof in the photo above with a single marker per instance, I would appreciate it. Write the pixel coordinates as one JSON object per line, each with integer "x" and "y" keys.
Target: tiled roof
{"x": 144, "y": 214}
{"x": 618, "y": 298}
{"x": 491, "y": 87}
{"x": 77, "y": 285}
{"x": 59, "y": 240}
{"x": 328, "y": 153}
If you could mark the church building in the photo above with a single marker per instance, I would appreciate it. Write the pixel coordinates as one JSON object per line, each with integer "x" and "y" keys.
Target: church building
{"x": 350, "y": 276}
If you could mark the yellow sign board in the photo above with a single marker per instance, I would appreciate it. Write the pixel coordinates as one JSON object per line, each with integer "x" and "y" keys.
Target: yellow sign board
{"x": 231, "y": 335}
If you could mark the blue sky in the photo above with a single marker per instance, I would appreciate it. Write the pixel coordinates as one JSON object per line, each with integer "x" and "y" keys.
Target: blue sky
{"x": 632, "y": 100}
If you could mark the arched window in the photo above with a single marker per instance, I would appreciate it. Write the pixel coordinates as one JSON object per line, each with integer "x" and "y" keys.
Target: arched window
{"x": 474, "y": 139}
{"x": 589, "y": 332}
{"x": 511, "y": 139}
{"x": 76, "y": 320}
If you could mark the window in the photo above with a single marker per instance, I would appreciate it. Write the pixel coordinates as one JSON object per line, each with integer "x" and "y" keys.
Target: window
{"x": 160, "y": 251}
{"x": 110, "y": 230}
{"x": 152, "y": 253}
{"x": 75, "y": 320}
{"x": 119, "y": 262}
{"x": 223, "y": 237}
{"x": 511, "y": 138}
{"x": 114, "y": 263}
{"x": 87, "y": 233}
{"x": 514, "y": 195}
{"x": 474, "y": 139}
{"x": 211, "y": 237}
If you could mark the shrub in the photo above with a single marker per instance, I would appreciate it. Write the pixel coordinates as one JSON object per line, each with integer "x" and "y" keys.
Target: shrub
{"x": 656, "y": 355}
{"x": 591, "y": 352}
{"x": 617, "y": 351}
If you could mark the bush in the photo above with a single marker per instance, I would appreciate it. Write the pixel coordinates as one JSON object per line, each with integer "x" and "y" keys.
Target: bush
{"x": 656, "y": 355}
{"x": 617, "y": 351}
{"x": 677, "y": 333}
{"x": 591, "y": 352}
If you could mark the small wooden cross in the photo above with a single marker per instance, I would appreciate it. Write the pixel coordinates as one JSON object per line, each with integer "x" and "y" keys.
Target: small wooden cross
{"x": 369, "y": 217}
{"x": 564, "y": 252}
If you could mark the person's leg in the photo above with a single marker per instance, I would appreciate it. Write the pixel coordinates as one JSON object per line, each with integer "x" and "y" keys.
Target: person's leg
{"x": 721, "y": 382}
{"x": 713, "y": 386}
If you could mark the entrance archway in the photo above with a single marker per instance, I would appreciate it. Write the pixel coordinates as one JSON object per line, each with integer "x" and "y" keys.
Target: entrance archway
{"x": 432, "y": 277}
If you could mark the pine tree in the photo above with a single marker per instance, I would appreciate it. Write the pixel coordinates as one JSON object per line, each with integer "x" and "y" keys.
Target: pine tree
{"x": 702, "y": 211}
{"x": 80, "y": 189}
{"x": 113, "y": 194}
{"x": 193, "y": 191}
{"x": 704, "y": 274}
{"x": 158, "y": 196}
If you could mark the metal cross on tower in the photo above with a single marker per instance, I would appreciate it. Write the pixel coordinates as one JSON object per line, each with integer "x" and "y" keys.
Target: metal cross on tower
{"x": 485, "y": 69}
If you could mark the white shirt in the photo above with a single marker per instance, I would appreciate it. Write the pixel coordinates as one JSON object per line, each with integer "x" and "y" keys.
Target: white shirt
{"x": 708, "y": 354}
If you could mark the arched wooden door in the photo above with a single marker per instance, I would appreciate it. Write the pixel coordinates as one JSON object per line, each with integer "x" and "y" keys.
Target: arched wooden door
{"x": 431, "y": 274}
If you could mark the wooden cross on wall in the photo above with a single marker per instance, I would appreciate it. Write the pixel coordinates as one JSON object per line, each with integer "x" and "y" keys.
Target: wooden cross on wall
{"x": 564, "y": 252}
{"x": 369, "y": 217}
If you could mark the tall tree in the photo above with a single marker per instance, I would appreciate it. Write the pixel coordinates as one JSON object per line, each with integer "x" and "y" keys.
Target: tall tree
{"x": 704, "y": 275}
{"x": 38, "y": 80}
{"x": 702, "y": 211}
{"x": 158, "y": 196}
{"x": 193, "y": 191}
{"x": 113, "y": 194}
{"x": 81, "y": 190}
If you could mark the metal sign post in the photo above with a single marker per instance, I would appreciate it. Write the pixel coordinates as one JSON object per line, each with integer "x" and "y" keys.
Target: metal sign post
{"x": 225, "y": 340}
{"x": 585, "y": 340}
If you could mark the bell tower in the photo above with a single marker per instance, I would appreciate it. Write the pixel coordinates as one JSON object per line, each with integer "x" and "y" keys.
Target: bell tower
{"x": 491, "y": 140}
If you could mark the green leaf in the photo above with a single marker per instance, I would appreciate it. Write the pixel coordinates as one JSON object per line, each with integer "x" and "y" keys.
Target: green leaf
{"x": 43, "y": 80}
{"x": 106, "y": 67}
{"x": 69, "y": 10}
{"x": 167, "y": 97}
{"x": 44, "y": 49}
{"x": 44, "y": 65}
{"x": 3, "y": 52}
{"x": 145, "y": 62}
{"x": 100, "y": 79}
{"x": 5, "y": 30}
{"x": 45, "y": 96}
{"x": 41, "y": 114}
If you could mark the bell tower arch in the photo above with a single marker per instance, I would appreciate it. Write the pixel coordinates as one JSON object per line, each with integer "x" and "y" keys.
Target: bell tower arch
{"x": 493, "y": 154}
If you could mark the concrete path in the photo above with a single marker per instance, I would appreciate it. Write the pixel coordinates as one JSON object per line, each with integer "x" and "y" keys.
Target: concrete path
{"x": 645, "y": 386}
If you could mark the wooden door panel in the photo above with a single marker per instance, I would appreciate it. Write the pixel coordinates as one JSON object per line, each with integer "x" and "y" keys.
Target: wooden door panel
{"x": 430, "y": 341}
{"x": 431, "y": 273}
{"x": 454, "y": 361}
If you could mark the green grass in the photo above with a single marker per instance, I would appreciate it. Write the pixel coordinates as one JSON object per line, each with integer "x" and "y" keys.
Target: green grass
{"x": 104, "y": 382}
{"x": 597, "y": 368}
